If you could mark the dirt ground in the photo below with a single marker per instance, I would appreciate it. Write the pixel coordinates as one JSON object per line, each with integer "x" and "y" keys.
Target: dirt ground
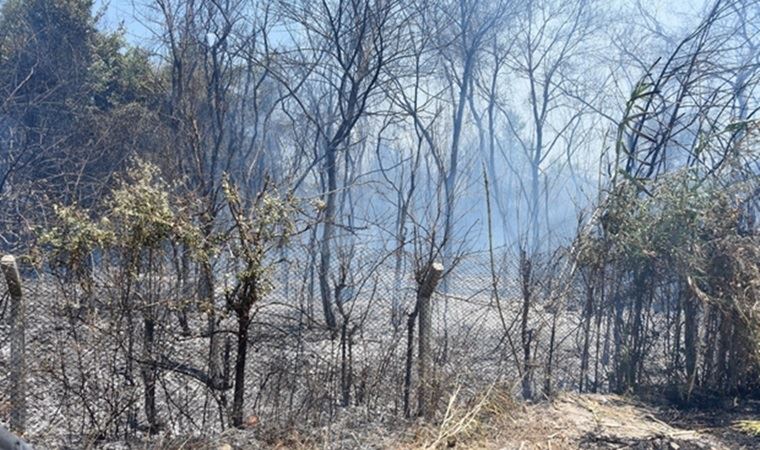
{"x": 612, "y": 422}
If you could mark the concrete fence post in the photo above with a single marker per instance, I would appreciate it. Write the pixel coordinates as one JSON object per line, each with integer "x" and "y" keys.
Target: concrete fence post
{"x": 9, "y": 441}
{"x": 427, "y": 284}
{"x": 18, "y": 350}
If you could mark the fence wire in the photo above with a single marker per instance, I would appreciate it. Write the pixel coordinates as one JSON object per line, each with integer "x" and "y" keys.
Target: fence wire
{"x": 88, "y": 354}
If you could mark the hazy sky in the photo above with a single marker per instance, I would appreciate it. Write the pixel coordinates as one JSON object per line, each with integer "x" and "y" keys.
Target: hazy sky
{"x": 131, "y": 13}
{"x": 127, "y": 12}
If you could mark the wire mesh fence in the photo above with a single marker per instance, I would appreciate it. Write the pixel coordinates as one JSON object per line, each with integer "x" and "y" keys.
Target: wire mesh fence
{"x": 107, "y": 350}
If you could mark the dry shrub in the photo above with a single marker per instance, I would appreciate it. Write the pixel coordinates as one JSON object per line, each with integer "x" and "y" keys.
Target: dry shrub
{"x": 687, "y": 237}
{"x": 471, "y": 419}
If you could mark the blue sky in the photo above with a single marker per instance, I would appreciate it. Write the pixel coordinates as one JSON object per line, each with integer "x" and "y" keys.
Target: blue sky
{"x": 128, "y": 12}
{"x": 132, "y": 14}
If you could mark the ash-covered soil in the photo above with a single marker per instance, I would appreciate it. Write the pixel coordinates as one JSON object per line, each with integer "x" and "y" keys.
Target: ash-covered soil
{"x": 570, "y": 421}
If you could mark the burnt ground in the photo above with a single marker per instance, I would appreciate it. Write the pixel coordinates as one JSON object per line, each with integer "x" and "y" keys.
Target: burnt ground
{"x": 570, "y": 421}
{"x": 718, "y": 419}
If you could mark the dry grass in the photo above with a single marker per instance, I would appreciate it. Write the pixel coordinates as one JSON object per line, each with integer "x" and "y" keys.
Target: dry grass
{"x": 748, "y": 426}
{"x": 488, "y": 421}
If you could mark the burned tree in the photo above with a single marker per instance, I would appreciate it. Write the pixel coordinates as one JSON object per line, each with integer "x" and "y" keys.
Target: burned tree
{"x": 260, "y": 227}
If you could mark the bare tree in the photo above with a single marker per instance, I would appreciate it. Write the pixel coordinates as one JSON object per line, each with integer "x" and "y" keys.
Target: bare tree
{"x": 552, "y": 40}
{"x": 222, "y": 96}
{"x": 353, "y": 41}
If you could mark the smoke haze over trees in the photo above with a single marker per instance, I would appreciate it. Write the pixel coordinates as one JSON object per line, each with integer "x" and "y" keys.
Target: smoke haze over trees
{"x": 582, "y": 175}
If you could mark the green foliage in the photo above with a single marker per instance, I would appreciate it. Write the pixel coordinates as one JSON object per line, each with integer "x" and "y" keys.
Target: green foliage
{"x": 75, "y": 236}
{"x": 120, "y": 74}
{"x": 666, "y": 222}
{"x": 139, "y": 209}
{"x": 266, "y": 223}
{"x": 55, "y": 44}
{"x": 77, "y": 99}
{"x": 139, "y": 215}
{"x": 47, "y": 41}
{"x": 142, "y": 215}
{"x": 685, "y": 227}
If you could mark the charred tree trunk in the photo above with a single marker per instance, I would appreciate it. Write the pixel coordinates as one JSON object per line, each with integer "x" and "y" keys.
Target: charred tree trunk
{"x": 328, "y": 229}
{"x": 550, "y": 359}
{"x": 587, "y": 319}
{"x": 346, "y": 369}
{"x": 711, "y": 333}
{"x": 691, "y": 323}
{"x": 149, "y": 371}
{"x": 621, "y": 351}
{"x": 411, "y": 320}
{"x": 427, "y": 284}
{"x": 525, "y": 332}
{"x": 637, "y": 331}
{"x": 242, "y": 350}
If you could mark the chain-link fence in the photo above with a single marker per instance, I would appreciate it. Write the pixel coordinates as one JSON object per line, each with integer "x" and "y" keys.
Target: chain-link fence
{"x": 108, "y": 349}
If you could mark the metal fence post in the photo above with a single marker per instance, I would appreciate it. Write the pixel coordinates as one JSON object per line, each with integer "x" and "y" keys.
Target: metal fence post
{"x": 18, "y": 356}
{"x": 424, "y": 292}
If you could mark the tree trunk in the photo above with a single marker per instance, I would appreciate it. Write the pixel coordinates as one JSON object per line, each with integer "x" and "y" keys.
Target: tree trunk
{"x": 18, "y": 345}
{"x": 690, "y": 339}
{"x": 587, "y": 317}
{"x": 242, "y": 349}
{"x": 345, "y": 364}
{"x": 409, "y": 359}
{"x": 535, "y": 200}
{"x": 525, "y": 333}
{"x": 327, "y": 235}
{"x": 206, "y": 294}
{"x": 637, "y": 332}
{"x": 621, "y": 354}
{"x": 149, "y": 371}
{"x": 550, "y": 359}
{"x": 427, "y": 286}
